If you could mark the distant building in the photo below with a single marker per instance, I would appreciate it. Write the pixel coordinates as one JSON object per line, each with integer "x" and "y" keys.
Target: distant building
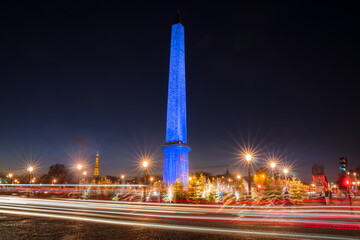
{"x": 96, "y": 170}
{"x": 226, "y": 176}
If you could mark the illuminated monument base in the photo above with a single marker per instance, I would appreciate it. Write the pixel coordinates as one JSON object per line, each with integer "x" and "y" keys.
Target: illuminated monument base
{"x": 176, "y": 167}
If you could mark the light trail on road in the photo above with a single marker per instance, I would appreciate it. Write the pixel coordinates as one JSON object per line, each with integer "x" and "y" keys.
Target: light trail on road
{"x": 134, "y": 193}
{"x": 217, "y": 219}
{"x": 70, "y": 185}
{"x": 183, "y": 228}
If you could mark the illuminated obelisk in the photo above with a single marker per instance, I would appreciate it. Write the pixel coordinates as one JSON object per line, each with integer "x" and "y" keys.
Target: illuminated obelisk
{"x": 176, "y": 166}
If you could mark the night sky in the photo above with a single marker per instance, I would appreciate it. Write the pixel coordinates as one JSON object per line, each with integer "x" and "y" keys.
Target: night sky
{"x": 82, "y": 77}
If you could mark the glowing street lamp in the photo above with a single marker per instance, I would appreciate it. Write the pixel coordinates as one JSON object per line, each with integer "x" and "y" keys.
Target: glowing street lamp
{"x": 248, "y": 159}
{"x": 145, "y": 164}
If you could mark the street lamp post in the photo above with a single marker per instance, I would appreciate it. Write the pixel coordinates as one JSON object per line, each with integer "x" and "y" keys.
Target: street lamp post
{"x": 10, "y": 177}
{"x": 122, "y": 179}
{"x": 84, "y": 173}
{"x": 30, "y": 169}
{"x": 238, "y": 181}
{"x": 145, "y": 164}
{"x": 79, "y": 167}
{"x": 151, "y": 180}
{"x": 286, "y": 171}
{"x": 248, "y": 159}
{"x": 273, "y": 165}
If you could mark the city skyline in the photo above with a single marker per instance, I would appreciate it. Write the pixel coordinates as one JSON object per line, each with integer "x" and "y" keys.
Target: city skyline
{"x": 243, "y": 79}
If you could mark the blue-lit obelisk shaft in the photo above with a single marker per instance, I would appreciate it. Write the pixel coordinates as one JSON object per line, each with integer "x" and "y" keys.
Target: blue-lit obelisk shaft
{"x": 176, "y": 108}
{"x": 176, "y": 167}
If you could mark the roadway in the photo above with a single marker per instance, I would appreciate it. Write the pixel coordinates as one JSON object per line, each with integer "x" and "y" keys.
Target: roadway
{"x": 173, "y": 221}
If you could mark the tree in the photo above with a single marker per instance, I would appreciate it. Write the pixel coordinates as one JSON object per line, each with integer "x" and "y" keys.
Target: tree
{"x": 211, "y": 192}
{"x": 45, "y": 178}
{"x": 297, "y": 190}
{"x": 60, "y": 173}
{"x": 113, "y": 179}
{"x": 271, "y": 192}
{"x": 178, "y": 192}
{"x": 196, "y": 187}
{"x": 261, "y": 177}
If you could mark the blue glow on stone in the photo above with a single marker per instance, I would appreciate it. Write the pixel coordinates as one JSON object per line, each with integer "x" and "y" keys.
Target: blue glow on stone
{"x": 176, "y": 166}
{"x": 176, "y": 106}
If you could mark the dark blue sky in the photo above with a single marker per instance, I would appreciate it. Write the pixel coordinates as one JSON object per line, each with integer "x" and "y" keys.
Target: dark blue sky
{"x": 82, "y": 77}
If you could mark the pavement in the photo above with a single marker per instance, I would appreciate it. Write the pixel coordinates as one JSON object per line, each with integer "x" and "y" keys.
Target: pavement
{"x": 28, "y": 218}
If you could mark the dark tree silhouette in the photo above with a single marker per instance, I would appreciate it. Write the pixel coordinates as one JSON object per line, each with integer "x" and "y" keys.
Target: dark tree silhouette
{"x": 58, "y": 172}
{"x": 113, "y": 179}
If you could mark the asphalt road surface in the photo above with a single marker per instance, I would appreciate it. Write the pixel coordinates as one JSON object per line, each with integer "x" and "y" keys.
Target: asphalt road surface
{"x": 26, "y": 218}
